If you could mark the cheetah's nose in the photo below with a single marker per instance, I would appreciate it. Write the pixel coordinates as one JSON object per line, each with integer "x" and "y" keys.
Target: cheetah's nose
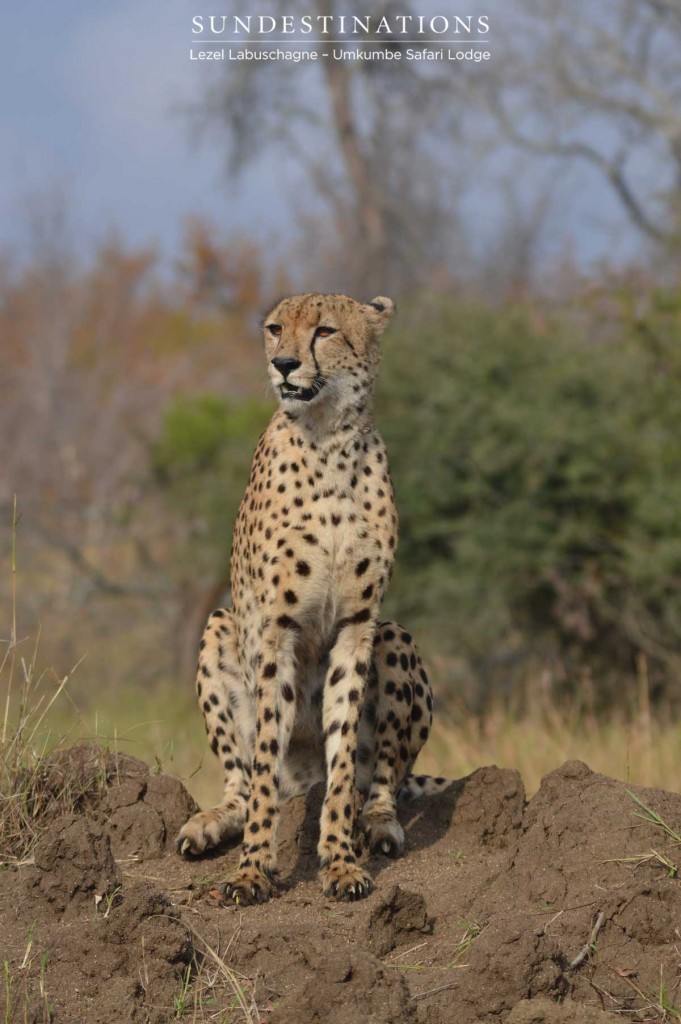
{"x": 285, "y": 365}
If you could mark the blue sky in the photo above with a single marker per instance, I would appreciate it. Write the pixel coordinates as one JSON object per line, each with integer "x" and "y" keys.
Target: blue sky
{"x": 91, "y": 101}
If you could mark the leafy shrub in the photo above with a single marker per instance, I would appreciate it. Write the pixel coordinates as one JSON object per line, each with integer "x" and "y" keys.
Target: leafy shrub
{"x": 202, "y": 461}
{"x": 537, "y": 472}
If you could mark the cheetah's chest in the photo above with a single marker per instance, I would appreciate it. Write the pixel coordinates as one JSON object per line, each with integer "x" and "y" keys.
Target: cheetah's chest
{"x": 315, "y": 539}
{"x": 343, "y": 562}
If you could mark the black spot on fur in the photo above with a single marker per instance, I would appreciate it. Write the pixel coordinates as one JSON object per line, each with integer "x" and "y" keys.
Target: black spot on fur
{"x": 337, "y": 674}
{"x": 363, "y": 615}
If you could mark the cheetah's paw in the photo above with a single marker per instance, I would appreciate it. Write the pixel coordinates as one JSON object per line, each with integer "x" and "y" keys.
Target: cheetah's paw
{"x": 208, "y": 829}
{"x": 247, "y": 886}
{"x": 345, "y": 881}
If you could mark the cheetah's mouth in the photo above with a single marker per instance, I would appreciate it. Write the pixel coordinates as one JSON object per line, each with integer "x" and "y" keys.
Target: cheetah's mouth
{"x": 288, "y": 390}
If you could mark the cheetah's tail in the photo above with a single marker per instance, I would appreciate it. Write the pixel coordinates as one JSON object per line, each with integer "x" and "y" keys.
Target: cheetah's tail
{"x": 415, "y": 786}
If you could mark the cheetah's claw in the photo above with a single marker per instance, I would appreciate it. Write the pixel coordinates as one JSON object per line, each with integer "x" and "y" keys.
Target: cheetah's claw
{"x": 353, "y": 891}
{"x": 388, "y": 848}
{"x": 386, "y": 838}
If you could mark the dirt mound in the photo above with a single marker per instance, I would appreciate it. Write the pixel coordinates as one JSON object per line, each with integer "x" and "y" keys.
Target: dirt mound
{"x": 144, "y": 815}
{"x": 75, "y": 866}
{"x": 142, "y": 811}
{"x": 347, "y": 986}
{"x": 399, "y": 918}
{"x": 82, "y": 942}
{"x": 563, "y": 910}
{"x": 544, "y": 1011}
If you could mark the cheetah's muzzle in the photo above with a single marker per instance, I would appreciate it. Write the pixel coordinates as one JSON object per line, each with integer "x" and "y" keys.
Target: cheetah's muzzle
{"x": 288, "y": 390}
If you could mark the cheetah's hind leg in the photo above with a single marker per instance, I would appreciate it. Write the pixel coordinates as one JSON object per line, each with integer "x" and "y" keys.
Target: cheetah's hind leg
{"x": 229, "y": 715}
{"x": 396, "y": 723}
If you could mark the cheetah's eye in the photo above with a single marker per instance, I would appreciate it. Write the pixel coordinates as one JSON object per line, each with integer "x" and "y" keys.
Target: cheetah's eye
{"x": 274, "y": 329}
{"x": 324, "y": 332}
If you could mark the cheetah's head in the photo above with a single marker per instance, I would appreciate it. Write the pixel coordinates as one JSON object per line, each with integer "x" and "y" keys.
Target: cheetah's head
{"x": 323, "y": 349}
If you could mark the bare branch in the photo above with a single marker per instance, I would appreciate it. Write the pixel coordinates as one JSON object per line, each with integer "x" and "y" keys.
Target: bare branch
{"x": 605, "y": 91}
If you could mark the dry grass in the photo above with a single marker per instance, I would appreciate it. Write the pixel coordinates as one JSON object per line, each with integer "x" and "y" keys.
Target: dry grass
{"x": 19, "y": 987}
{"x": 35, "y": 786}
{"x": 642, "y": 751}
{"x": 212, "y": 990}
{"x": 164, "y": 726}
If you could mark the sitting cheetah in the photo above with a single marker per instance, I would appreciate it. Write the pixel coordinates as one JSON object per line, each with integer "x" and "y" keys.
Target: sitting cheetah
{"x": 299, "y": 682}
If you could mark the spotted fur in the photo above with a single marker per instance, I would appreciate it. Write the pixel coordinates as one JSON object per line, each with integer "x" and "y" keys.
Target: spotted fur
{"x": 299, "y": 682}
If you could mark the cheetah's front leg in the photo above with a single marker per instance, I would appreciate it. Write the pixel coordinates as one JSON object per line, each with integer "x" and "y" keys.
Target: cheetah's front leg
{"x": 275, "y": 710}
{"x": 229, "y": 714}
{"x": 343, "y": 700}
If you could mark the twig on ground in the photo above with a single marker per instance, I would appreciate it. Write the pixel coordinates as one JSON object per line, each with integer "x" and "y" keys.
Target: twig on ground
{"x": 407, "y": 951}
{"x": 588, "y": 947}
{"x": 434, "y": 991}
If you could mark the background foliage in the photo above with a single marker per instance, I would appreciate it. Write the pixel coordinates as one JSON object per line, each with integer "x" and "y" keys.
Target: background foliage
{"x": 529, "y": 396}
{"x": 536, "y": 461}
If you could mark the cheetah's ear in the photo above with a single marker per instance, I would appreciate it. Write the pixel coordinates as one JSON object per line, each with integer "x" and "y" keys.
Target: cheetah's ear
{"x": 382, "y": 310}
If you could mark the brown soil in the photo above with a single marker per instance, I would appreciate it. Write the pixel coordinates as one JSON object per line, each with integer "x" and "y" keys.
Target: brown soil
{"x": 480, "y": 922}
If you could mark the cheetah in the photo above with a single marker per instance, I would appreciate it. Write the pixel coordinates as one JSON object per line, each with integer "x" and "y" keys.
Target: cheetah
{"x": 299, "y": 682}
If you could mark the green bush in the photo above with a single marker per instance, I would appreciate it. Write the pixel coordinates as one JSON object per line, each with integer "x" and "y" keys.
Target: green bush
{"x": 202, "y": 462}
{"x": 537, "y": 466}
